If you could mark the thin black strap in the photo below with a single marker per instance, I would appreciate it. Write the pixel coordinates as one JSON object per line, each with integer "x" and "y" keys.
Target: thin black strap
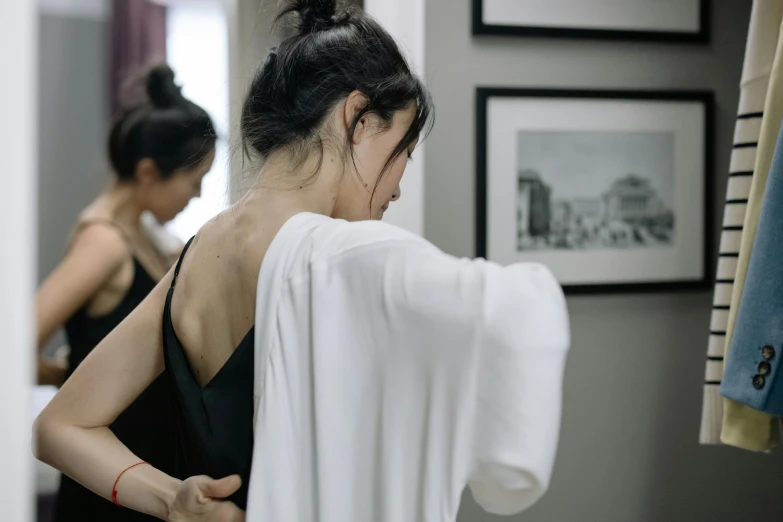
{"x": 116, "y": 226}
{"x": 179, "y": 262}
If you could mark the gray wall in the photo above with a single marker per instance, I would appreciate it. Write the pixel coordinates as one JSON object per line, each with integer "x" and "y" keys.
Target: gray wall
{"x": 251, "y": 32}
{"x": 629, "y": 450}
{"x": 72, "y": 121}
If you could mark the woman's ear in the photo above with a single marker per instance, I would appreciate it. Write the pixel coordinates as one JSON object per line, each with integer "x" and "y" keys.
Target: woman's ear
{"x": 354, "y": 104}
{"x": 147, "y": 172}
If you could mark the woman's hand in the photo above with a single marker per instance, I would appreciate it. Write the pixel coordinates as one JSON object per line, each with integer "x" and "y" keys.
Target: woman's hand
{"x": 200, "y": 499}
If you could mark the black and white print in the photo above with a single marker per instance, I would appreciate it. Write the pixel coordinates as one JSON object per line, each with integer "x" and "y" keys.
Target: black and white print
{"x": 594, "y": 190}
{"x": 607, "y": 189}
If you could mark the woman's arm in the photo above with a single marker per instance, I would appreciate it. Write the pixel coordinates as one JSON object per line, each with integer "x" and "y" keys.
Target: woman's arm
{"x": 73, "y": 435}
{"x": 96, "y": 254}
{"x": 72, "y": 432}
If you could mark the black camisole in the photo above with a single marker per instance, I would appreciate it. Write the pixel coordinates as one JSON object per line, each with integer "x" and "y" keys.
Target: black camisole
{"x": 214, "y": 423}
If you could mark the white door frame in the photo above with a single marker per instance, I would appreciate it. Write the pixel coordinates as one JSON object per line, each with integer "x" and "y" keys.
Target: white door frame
{"x": 18, "y": 232}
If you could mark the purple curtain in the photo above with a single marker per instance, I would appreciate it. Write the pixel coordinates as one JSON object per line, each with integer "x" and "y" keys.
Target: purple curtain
{"x": 138, "y": 37}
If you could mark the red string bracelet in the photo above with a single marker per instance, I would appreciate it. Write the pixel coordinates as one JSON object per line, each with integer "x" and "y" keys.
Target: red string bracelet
{"x": 114, "y": 488}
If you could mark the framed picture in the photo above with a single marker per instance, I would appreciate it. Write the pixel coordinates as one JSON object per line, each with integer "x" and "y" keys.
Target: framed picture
{"x": 659, "y": 20}
{"x": 609, "y": 189}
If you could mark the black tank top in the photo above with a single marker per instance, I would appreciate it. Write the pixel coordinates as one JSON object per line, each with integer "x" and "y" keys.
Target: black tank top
{"x": 214, "y": 423}
{"x": 84, "y": 332}
{"x": 146, "y": 427}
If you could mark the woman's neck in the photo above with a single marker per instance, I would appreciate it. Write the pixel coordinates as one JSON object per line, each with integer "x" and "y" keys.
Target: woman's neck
{"x": 120, "y": 201}
{"x": 282, "y": 191}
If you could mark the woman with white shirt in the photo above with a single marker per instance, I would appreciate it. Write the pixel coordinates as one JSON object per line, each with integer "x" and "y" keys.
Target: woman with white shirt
{"x": 364, "y": 373}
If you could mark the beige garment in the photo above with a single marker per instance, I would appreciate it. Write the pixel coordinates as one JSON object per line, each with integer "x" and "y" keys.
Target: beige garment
{"x": 763, "y": 32}
{"x": 743, "y": 426}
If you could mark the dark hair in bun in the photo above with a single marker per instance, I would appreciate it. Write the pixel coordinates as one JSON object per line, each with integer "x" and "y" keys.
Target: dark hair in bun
{"x": 315, "y": 15}
{"x": 162, "y": 125}
{"x": 337, "y": 49}
{"x": 162, "y": 92}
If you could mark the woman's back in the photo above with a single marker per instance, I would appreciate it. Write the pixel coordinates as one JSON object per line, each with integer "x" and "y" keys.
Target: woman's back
{"x": 208, "y": 342}
{"x": 213, "y": 305}
{"x": 213, "y": 419}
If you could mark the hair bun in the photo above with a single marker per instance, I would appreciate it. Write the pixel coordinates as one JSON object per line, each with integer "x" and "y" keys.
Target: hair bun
{"x": 316, "y": 15}
{"x": 162, "y": 92}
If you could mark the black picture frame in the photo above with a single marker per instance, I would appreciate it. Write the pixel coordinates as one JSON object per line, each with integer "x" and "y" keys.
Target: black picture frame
{"x": 484, "y": 94}
{"x": 701, "y": 37}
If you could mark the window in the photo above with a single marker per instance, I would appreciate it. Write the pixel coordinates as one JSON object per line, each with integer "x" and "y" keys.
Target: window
{"x": 197, "y": 49}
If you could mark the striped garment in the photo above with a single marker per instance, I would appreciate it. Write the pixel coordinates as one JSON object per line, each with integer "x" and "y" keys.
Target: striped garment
{"x": 759, "y": 55}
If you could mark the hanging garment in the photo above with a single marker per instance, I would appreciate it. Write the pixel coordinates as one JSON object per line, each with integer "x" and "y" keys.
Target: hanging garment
{"x": 756, "y": 349}
{"x": 763, "y": 31}
{"x": 389, "y": 375}
{"x": 745, "y": 427}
